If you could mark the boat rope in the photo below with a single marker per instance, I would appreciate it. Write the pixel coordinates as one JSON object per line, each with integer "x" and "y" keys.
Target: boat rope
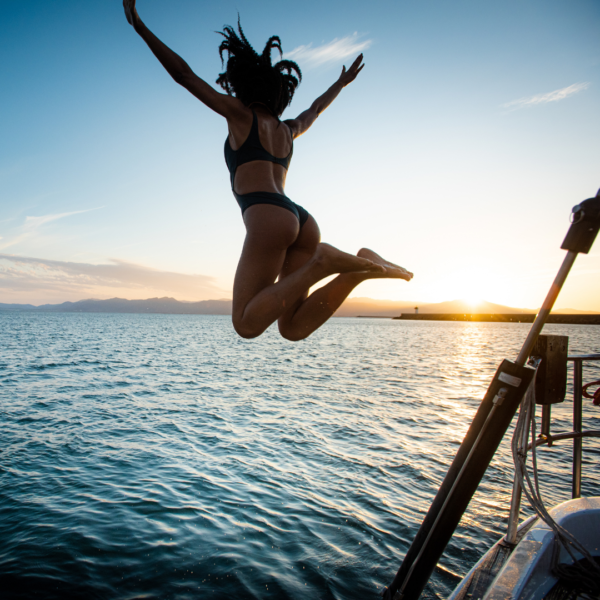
{"x": 584, "y": 574}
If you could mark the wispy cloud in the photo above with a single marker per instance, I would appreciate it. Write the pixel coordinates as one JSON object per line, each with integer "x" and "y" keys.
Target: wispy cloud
{"x": 52, "y": 279}
{"x": 32, "y": 224}
{"x": 334, "y": 51}
{"x": 35, "y": 222}
{"x": 554, "y": 96}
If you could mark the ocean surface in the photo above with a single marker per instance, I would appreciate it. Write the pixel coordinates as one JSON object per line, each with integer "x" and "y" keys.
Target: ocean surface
{"x": 161, "y": 456}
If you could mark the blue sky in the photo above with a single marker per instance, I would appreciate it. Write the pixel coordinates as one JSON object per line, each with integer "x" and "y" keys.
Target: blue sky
{"x": 458, "y": 152}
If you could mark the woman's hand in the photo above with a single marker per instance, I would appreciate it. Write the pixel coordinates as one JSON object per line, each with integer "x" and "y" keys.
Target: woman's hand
{"x": 350, "y": 75}
{"x": 130, "y": 12}
{"x": 304, "y": 120}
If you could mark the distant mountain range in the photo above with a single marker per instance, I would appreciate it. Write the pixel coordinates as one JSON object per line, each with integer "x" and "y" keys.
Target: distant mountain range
{"x": 168, "y": 306}
{"x": 353, "y": 307}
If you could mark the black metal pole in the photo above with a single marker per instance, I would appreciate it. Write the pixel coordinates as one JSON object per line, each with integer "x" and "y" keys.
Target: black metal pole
{"x": 503, "y": 397}
{"x": 542, "y": 316}
{"x": 546, "y": 418}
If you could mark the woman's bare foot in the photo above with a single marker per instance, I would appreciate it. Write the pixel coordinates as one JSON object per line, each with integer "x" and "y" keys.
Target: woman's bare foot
{"x": 391, "y": 270}
{"x": 332, "y": 261}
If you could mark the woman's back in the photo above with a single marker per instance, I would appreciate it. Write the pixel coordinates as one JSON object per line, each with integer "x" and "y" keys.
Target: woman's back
{"x": 261, "y": 147}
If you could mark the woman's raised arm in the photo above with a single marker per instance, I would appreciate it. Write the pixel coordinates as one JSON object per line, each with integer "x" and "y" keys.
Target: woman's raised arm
{"x": 179, "y": 70}
{"x": 304, "y": 120}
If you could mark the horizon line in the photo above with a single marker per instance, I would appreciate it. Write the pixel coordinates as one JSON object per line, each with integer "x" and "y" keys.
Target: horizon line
{"x": 404, "y": 303}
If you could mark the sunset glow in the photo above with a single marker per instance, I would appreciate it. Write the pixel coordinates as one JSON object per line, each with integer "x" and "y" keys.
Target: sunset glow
{"x": 458, "y": 153}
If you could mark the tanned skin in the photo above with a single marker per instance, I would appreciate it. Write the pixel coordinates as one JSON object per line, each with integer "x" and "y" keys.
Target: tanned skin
{"x": 280, "y": 262}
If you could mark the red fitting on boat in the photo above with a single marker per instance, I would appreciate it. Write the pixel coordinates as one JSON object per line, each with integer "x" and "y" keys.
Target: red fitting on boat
{"x": 596, "y": 396}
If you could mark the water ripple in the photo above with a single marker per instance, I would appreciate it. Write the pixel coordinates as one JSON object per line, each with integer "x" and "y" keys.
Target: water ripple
{"x": 160, "y": 456}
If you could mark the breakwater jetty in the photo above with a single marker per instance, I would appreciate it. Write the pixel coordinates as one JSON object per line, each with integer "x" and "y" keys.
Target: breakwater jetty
{"x": 577, "y": 319}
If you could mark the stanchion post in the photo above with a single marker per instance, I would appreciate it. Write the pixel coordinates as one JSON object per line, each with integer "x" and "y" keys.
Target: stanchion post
{"x": 577, "y": 426}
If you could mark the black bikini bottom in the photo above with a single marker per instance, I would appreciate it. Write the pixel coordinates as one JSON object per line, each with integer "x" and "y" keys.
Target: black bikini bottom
{"x": 247, "y": 200}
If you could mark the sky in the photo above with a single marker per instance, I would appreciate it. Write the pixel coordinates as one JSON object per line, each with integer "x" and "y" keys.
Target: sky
{"x": 457, "y": 153}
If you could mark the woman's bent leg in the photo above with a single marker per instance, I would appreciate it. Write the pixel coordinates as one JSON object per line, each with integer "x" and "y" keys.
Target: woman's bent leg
{"x": 310, "y": 312}
{"x": 257, "y": 300}
{"x": 313, "y": 311}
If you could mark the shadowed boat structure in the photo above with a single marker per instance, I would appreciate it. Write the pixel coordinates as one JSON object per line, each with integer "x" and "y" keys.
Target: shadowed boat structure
{"x": 518, "y": 566}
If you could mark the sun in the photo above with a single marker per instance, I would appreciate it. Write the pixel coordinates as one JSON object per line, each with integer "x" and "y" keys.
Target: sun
{"x": 473, "y": 300}
{"x": 471, "y": 293}
{"x": 472, "y": 287}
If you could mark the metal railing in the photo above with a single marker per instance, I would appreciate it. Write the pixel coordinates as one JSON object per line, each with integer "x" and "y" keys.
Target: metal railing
{"x": 546, "y": 437}
{"x": 577, "y": 434}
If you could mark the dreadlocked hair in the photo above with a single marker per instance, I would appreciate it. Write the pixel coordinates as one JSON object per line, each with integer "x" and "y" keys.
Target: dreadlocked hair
{"x": 251, "y": 77}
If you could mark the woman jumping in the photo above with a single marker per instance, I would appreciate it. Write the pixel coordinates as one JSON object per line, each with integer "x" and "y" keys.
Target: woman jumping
{"x": 282, "y": 257}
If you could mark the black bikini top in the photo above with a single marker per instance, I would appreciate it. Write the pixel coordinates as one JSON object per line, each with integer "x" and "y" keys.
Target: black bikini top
{"x": 251, "y": 150}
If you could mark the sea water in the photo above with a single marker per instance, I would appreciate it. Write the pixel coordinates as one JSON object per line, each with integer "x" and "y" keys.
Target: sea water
{"x": 161, "y": 456}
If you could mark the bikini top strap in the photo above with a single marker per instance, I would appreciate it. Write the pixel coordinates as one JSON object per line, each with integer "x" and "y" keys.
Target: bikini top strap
{"x": 254, "y": 137}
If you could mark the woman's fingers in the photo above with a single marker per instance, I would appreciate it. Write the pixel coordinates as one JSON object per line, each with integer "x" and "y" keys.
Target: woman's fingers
{"x": 129, "y": 6}
{"x": 127, "y": 11}
{"x": 354, "y": 69}
{"x": 356, "y": 63}
{"x": 350, "y": 75}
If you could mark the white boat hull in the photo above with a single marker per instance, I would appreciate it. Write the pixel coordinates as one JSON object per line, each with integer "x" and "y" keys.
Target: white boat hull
{"x": 525, "y": 572}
